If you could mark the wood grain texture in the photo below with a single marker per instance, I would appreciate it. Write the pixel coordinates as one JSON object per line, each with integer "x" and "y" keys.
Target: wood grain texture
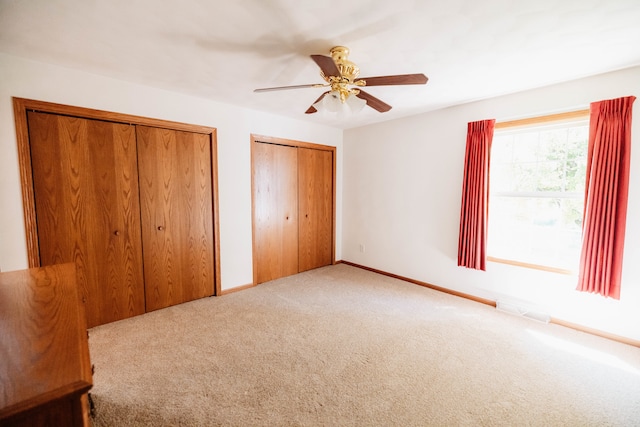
{"x": 22, "y": 105}
{"x": 315, "y": 202}
{"x": 313, "y": 243}
{"x": 85, "y": 185}
{"x": 216, "y": 214}
{"x": 89, "y": 113}
{"x": 291, "y": 142}
{"x": 559, "y": 117}
{"x": 401, "y": 79}
{"x": 327, "y": 65}
{"x": 177, "y": 217}
{"x": 44, "y": 353}
{"x": 26, "y": 180}
{"x": 275, "y": 211}
{"x": 373, "y": 102}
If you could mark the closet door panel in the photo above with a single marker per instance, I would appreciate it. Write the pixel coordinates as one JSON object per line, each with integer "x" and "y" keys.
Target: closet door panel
{"x": 315, "y": 201}
{"x": 177, "y": 215}
{"x": 86, "y": 196}
{"x": 275, "y": 194}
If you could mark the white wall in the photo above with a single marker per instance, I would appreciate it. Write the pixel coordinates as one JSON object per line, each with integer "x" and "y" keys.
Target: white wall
{"x": 402, "y": 183}
{"x": 33, "y": 80}
{"x": 402, "y": 193}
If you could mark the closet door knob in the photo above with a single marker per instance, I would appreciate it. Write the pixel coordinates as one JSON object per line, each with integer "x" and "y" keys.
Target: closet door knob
{"x": 116, "y": 233}
{"x": 160, "y": 228}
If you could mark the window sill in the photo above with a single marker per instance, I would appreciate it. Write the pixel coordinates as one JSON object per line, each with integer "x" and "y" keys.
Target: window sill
{"x": 532, "y": 266}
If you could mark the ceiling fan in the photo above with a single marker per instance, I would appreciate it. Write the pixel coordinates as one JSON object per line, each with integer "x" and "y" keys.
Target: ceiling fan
{"x": 340, "y": 75}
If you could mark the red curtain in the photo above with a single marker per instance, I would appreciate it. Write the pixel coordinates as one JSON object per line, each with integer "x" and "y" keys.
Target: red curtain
{"x": 605, "y": 209}
{"x": 472, "y": 242}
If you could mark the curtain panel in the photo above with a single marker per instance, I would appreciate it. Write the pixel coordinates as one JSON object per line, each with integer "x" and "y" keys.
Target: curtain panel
{"x": 606, "y": 193}
{"x": 472, "y": 242}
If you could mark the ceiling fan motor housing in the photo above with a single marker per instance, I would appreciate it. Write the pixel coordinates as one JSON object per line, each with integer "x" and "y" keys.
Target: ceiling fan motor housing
{"x": 348, "y": 69}
{"x": 348, "y": 73}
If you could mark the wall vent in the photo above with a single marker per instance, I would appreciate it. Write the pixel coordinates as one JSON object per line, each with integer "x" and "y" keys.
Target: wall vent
{"x": 523, "y": 311}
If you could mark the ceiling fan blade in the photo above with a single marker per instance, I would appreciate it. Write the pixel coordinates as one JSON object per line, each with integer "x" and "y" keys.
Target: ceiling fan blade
{"x": 269, "y": 89}
{"x": 326, "y": 64}
{"x": 374, "y": 102}
{"x": 312, "y": 109}
{"x": 401, "y": 79}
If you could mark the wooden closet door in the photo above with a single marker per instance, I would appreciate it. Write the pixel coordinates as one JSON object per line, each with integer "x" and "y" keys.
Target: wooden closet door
{"x": 315, "y": 201}
{"x": 275, "y": 197}
{"x": 177, "y": 215}
{"x": 86, "y": 196}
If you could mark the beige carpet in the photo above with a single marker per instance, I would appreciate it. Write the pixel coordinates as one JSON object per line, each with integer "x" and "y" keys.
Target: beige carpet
{"x": 340, "y": 346}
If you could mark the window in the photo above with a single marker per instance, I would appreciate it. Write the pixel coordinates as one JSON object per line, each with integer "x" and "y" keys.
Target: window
{"x": 536, "y": 198}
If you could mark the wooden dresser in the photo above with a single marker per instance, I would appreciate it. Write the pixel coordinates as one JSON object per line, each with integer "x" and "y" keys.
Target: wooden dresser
{"x": 45, "y": 370}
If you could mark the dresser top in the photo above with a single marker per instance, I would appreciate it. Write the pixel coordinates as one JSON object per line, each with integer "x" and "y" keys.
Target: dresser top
{"x": 44, "y": 352}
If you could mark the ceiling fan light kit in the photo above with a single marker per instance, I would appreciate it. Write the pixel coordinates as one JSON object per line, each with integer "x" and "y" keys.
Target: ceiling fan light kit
{"x": 340, "y": 75}
{"x": 332, "y": 103}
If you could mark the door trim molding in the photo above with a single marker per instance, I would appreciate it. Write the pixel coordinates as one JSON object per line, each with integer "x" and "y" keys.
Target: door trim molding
{"x": 20, "y": 108}
{"x": 290, "y": 143}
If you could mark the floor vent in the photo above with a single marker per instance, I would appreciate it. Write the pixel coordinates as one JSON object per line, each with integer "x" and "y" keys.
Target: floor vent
{"x": 523, "y": 311}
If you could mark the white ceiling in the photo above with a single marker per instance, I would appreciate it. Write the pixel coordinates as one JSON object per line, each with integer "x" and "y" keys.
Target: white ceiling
{"x": 222, "y": 50}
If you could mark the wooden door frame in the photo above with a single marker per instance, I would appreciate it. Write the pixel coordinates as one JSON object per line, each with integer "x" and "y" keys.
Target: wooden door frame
{"x": 20, "y": 108}
{"x": 290, "y": 143}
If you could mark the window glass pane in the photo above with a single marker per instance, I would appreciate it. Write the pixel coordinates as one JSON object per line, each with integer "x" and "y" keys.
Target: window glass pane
{"x": 550, "y": 175}
{"x": 540, "y": 231}
{"x": 537, "y": 194}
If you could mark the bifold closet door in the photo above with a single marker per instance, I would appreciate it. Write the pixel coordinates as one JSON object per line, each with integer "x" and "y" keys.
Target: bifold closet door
{"x": 315, "y": 204}
{"x": 177, "y": 219}
{"x": 275, "y": 197}
{"x": 87, "y": 208}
